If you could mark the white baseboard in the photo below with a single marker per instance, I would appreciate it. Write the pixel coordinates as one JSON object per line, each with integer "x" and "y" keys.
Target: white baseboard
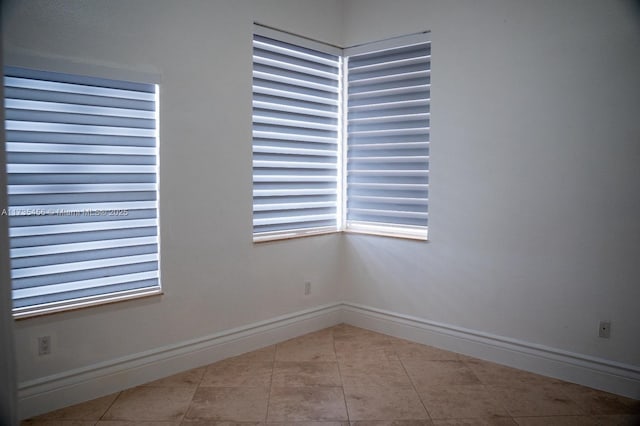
{"x": 71, "y": 387}
{"x": 610, "y": 376}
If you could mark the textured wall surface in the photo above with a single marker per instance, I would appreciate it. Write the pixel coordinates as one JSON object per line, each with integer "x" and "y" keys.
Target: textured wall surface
{"x": 534, "y": 172}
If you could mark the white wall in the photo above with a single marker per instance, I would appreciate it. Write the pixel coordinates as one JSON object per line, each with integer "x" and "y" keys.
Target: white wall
{"x": 8, "y": 395}
{"x": 535, "y": 178}
{"x": 214, "y": 278}
{"x": 535, "y": 173}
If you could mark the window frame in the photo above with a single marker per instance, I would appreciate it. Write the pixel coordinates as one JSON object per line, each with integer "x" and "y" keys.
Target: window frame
{"x": 95, "y": 73}
{"x": 397, "y": 230}
{"x": 322, "y": 48}
{"x": 343, "y": 225}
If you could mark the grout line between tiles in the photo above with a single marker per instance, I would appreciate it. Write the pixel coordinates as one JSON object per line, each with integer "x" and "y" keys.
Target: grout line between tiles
{"x": 193, "y": 395}
{"x": 109, "y": 407}
{"x": 273, "y": 367}
{"x": 413, "y": 384}
{"x": 344, "y": 394}
{"x": 195, "y": 390}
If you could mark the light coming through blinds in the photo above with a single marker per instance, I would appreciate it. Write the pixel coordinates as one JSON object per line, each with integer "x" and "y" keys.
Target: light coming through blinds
{"x": 296, "y": 99}
{"x": 388, "y": 137}
{"x": 82, "y": 184}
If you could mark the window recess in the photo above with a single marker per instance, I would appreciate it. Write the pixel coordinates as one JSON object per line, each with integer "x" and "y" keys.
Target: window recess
{"x": 388, "y": 118}
{"x": 296, "y": 121}
{"x": 82, "y": 190}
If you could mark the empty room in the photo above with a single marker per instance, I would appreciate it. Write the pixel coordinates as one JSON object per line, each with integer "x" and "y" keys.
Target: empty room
{"x": 409, "y": 212}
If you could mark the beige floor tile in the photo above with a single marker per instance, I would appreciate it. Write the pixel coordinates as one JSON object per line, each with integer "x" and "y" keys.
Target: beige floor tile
{"x": 135, "y": 423}
{"x": 293, "y": 404}
{"x": 364, "y": 354}
{"x": 491, "y": 421}
{"x": 310, "y": 347}
{"x": 347, "y": 332}
{"x": 150, "y": 403}
{"x": 309, "y": 423}
{"x": 317, "y": 337}
{"x": 383, "y": 403}
{"x": 300, "y": 383}
{"x": 265, "y": 354}
{"x": 187, "y": 422}
{"x": 369, "y": 347}
{"x": 366, "y": 338}
{"x": 411, "y": 350}
{"x": 618, "y": 420}
{"x": 535, "y": 400}
{"x": 461, "y": 402}
{"x": 291, "y": 373}
{"x": 368, "y": 373}
{"x": 90, "y": 410}
{"x": 343, "y": 331}
{"x": 34, "y": 422}
{"x": 234, "y": 373}
{"x": 360, "y": 334}
{"x": 556, "y": 421}
{"x": 392, "y": 423}
{"x": 490, "y": 373}
{"x": 325, "y": 333}
{"x": 189, "y": 378}
{"x": 593, "y": 401}
{"x": 239, "y": 404}
{"x": 428, "y": 374}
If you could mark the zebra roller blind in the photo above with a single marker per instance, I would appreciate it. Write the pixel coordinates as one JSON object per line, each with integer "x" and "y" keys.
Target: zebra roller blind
{"x": 296, "y": 123}
{"x": 388, "y": 136}
{"x": 82, "y": 185}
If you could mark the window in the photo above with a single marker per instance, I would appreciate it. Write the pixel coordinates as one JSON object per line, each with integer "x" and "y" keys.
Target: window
{"x": 296, "y": 123}
{"x": 340, "y": 136}
{"x": 388, "y": 137}
{"x": 83, "y": 190}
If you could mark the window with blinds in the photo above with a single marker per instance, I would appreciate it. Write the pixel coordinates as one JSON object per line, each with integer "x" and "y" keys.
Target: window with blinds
{"x": 340, "y": 136}
{"x": 83, "y": 190}
{"x": 388, "y": 98}
{"x": 296, "y": 127}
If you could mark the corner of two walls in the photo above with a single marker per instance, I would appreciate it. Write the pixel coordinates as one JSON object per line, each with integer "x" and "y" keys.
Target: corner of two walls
{"x": 8, "y": 397}
{"x": 214, "y": 278}
{"x": 533, "y": 176}
{"x": 533, "y": 206}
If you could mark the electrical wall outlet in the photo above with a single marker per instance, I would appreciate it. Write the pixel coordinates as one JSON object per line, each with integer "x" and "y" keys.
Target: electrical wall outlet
{"x": 605, "y": 329}
{"x": 307, "y": 288}
{"x": 44, "y": 345}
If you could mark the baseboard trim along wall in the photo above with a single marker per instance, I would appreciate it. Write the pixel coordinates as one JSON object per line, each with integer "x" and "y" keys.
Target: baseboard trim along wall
{"x": 598, "y": 373}
{"x": 71, "y": 387}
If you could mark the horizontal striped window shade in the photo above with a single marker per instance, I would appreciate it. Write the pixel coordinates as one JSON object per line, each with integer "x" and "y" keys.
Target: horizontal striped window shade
{"x": 296, "y": 124}
{"x": 83, "y": 190}
{"x": 388, "y": 98}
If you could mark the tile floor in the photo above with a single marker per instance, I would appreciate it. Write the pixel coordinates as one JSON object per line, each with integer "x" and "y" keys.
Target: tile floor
{"x": 345, "y": 375}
